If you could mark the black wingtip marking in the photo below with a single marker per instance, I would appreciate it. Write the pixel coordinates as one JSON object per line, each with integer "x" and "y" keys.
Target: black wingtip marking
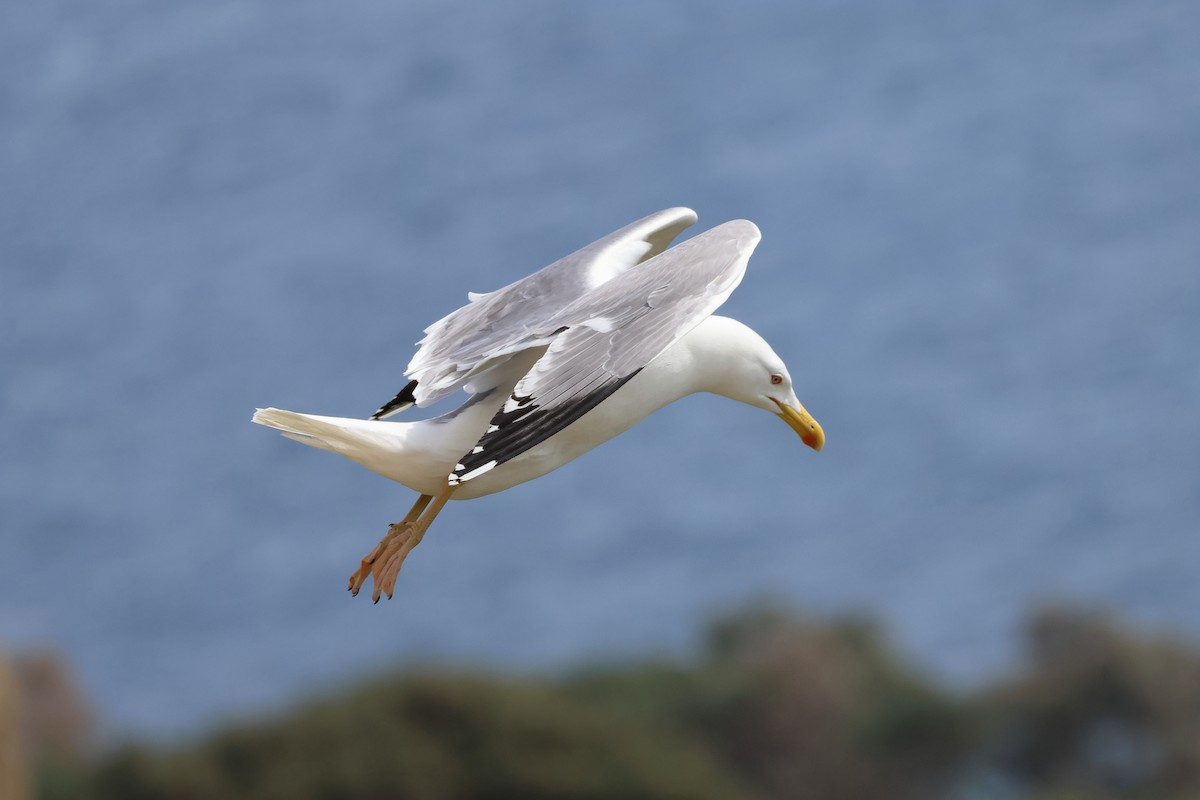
{"x": 403, "y": 399}
{"x": 525, "y": 426}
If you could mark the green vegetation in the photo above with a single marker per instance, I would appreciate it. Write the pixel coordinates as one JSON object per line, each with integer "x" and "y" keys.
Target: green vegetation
{"x": 777, "y": 707}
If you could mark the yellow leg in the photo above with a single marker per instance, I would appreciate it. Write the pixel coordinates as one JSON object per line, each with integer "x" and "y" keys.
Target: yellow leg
{"x": 384, "y": 562}
{"x": 387, "y": 566}
{"x": 394, "y": 530}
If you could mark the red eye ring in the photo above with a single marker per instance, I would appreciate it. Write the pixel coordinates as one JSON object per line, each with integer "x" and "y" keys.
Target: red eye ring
{"x": 776, "y": 379}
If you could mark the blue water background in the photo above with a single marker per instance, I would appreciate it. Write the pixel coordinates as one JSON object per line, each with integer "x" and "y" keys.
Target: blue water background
{"x": 981, "y": 259}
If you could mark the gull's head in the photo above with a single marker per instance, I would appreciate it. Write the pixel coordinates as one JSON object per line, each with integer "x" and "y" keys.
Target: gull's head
{"x": 743, "y": 367}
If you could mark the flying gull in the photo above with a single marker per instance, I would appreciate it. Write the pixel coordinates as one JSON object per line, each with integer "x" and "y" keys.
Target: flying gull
{"x": 557, "y": 363}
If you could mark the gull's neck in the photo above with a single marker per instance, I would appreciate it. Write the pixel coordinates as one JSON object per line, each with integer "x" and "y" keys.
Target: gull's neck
{"x": 701, "y": 361}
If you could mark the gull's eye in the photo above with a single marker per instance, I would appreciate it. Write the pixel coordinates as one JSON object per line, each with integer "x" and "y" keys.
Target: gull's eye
{"x": 776, "y": 379}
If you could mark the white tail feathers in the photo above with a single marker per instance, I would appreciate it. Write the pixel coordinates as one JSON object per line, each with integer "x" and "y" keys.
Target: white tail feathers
{"x": 350, "y": 437}
{"x": 395, "y": 450}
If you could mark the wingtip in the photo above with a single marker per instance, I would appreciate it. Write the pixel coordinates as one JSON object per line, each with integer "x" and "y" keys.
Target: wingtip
{"x": 684, "y": 212}
{"x": 671, "y": 221}
{"x": 746, "y": 232}
{"x": 404, "y": 399}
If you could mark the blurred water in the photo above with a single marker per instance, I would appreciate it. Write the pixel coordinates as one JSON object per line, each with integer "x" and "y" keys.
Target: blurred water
{"x": 980, "y": 260}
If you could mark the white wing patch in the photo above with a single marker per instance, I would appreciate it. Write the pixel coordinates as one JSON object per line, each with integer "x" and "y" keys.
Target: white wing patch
{"x": 454, "y": 478}
{"x": 601, "y": 324}
{"x": 614, "y": 260}
{"x": 514, "y": 404}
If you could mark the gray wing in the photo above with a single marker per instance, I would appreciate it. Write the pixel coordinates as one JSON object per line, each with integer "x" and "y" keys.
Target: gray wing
{"x": 461, "y": 349}
{"x": 607, "y": 336}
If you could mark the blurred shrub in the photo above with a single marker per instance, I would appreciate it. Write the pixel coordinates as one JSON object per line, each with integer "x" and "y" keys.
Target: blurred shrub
{"x": 1099, "y": 712}
{"x": 56, "y": 721}
{"x": 835, "y": 714}
{"x": 426, "y": 736}
{"x": 776, "y": 707}
{"x": 13, "y": 781}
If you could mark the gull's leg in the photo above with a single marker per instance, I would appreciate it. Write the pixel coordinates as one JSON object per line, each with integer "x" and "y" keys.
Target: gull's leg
{"x": 391, "y": 558}
{"x": 394, "y": 530}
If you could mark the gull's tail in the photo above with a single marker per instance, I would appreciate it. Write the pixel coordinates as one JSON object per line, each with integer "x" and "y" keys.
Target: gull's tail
{"x": 375, "y": 445}
{"x": 395, "y": 450}
{"x": 335, "y": 434}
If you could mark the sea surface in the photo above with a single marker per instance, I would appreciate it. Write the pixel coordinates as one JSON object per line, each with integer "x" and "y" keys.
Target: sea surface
{"x": 981, "y": 260}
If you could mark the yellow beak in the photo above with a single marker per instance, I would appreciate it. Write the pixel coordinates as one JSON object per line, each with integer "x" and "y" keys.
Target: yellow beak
{"x": 802, "y": 423}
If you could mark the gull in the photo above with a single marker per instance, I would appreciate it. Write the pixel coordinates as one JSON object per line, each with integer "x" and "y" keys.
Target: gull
{"x": 556, "y": 364}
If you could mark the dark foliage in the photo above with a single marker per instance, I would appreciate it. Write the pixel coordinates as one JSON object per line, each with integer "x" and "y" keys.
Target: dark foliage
{"x": 777, "y": 707}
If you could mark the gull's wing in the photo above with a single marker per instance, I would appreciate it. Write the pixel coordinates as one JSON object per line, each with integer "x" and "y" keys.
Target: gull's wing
{"x": 460, "y": 349}
{"x": 605, "y": 338}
